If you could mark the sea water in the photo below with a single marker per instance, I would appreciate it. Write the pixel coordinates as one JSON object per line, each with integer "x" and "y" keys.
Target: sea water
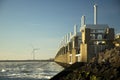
{"x": 28, "y": 70}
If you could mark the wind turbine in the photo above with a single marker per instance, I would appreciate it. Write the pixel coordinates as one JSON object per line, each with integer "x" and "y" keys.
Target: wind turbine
{"x": 34, "y": 52}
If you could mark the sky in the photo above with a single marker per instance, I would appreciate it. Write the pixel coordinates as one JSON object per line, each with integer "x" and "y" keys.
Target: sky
{"x": 29, "y": 24}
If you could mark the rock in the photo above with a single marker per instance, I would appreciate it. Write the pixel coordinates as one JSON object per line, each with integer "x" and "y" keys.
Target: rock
{"x": 105, "y": 67}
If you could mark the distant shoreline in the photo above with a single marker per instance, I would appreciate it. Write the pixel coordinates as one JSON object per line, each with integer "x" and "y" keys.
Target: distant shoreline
{"x": 26, "y": 60}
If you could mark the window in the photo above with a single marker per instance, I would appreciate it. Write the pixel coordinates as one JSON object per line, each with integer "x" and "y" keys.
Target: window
{"x": 99, "y": 36}
{"x": 101, "y": 31}
{"x": 92, "y": 36}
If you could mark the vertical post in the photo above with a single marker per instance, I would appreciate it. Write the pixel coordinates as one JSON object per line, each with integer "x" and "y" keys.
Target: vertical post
{"x": 82, "y": 21}
{"x": 95, "y": 14}
{"x": 68, "y": 37}
{"x": 75, "y": 29}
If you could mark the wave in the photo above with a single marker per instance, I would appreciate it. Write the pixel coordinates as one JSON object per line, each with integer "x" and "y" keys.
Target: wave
{"x": 32, "y": 70}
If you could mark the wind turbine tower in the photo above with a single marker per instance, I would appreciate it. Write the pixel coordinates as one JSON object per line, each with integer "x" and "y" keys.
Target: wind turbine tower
{"x": 34, "y": 52}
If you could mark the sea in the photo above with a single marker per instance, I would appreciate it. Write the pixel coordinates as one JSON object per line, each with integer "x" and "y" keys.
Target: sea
{"x": 28, "y": 70}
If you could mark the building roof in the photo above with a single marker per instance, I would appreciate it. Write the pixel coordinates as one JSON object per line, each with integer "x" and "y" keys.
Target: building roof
{"x": 92, "y": 26}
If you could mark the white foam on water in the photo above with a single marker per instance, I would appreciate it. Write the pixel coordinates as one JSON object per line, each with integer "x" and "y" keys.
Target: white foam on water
{"x": 37, "y": 70}
{"x": 47, "y": 77}
{"x": 3, "y": 70}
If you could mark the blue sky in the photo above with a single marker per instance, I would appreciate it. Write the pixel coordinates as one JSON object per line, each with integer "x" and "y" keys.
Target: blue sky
{"x": 43, "y": 23}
